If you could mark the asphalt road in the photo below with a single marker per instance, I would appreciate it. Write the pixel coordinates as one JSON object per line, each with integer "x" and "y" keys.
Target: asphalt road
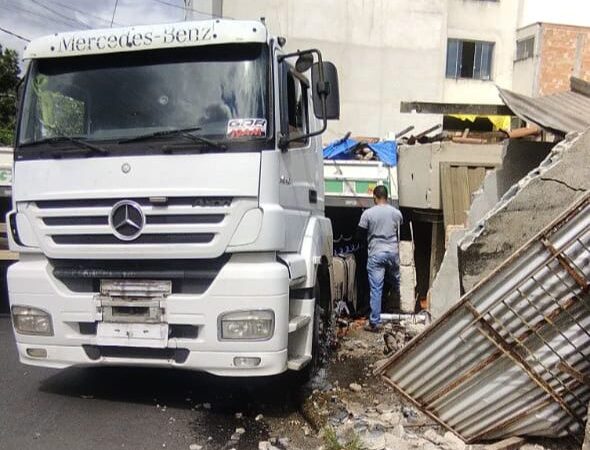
{"x": 139, "y": 408}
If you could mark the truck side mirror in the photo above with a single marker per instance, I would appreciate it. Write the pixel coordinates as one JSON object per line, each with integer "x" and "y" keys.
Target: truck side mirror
{"x": 327, "y": 87}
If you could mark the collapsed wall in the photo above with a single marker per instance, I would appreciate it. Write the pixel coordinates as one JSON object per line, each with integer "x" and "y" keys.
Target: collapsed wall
{"x": 519, "y": 157}
{"x": 525, "y": 209}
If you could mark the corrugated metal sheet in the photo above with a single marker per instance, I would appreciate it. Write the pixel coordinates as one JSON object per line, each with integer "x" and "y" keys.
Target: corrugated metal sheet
{"x": 559, "y": 113}
{"x": 512, "y": 357}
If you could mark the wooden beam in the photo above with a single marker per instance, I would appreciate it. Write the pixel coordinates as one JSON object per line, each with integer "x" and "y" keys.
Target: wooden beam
{"x": 455, "y": 108}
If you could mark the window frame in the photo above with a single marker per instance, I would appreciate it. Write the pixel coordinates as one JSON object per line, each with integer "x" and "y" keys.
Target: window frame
{"x": 287, "y": 70}
{"x": 532, "y": 49}
{"x": 479, "y": 47}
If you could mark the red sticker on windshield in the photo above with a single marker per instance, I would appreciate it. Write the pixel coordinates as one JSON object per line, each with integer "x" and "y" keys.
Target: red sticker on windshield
{"x": 237, "y": 128}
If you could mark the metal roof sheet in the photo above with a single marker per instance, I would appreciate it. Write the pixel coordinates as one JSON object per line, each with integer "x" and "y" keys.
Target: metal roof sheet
{"x": 563, "y": 112}
{"x": 512, "y": 357}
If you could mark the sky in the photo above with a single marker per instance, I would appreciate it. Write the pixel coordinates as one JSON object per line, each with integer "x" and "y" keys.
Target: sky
{"x": 567, "y": 12}
{"x": 35, "y": 18}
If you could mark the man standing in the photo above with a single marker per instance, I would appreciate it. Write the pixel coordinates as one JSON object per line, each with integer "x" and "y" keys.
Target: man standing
{"x": 381, "y": 225}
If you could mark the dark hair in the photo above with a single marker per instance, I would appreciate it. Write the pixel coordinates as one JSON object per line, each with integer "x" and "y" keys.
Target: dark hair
{"x": 380, "y": 192}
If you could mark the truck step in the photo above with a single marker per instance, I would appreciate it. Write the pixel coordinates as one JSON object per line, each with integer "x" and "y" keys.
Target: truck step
{"x": 298, "y": 362}
{"x": 297, "y": 322}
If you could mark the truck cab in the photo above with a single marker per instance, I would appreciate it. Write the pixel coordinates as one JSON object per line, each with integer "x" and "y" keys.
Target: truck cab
{"x": 168, "y": 200}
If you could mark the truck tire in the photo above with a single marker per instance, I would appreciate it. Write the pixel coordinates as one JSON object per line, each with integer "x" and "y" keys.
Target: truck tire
{"x": 323, "y": 325}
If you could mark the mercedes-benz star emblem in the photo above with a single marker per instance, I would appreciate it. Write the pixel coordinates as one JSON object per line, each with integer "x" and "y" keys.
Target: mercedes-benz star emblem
{"x": 127, "y": 220}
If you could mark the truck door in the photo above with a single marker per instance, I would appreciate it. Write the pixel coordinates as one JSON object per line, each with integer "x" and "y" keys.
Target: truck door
{"x": 299, "y": 168}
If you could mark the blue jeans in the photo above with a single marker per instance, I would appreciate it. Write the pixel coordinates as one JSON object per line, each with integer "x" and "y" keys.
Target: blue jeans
{"x": 381, "y": 266}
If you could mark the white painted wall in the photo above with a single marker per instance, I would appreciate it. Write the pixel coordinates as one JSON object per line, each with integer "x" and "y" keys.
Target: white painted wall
{"x": 491, "y": 21}
{"x": 525, "y": 76}
{"x": 386, "y": 52}
{"x": 565, "y": 12}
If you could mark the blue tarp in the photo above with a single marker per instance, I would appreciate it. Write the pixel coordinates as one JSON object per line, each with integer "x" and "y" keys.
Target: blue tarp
{"x": 386, "y": 151}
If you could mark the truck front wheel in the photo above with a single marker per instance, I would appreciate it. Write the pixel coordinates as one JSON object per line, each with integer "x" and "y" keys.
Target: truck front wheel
{"x": 323, "y": 325}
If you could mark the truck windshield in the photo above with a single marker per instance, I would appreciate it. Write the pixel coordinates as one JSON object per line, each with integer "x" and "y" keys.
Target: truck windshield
{"x": 219, "y": 91}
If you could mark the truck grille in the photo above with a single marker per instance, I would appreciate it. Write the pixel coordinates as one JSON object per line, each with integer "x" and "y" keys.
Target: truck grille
{"x": 170, "y": 227}
{"x": 180, "y": 220}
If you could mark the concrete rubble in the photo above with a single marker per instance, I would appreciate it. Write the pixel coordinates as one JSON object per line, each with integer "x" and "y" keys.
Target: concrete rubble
{"x": 374, "y": 417}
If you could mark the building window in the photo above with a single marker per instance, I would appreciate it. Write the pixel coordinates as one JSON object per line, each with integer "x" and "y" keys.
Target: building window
{"x": 469, "y": 59}
{"x": 525, "y": 48}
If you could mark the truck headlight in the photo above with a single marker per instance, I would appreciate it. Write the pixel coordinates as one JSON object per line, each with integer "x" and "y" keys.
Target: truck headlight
{"x": 28, "y": 320}
{"x": 247, "y": 325}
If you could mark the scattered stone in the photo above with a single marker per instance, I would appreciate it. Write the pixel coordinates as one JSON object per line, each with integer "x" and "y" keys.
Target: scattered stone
{"x": 512, "y": 443}
{"x": 264, "y": 445}
{"x": 453, "y": 441}
{"x": 434, "y": 437}
{"x": 383, "y": 408}
{"x": 395, "y": 442}
{"x": 284, "y": 441}
{"x": 258, "y": 418}
{"x": 195, "y": 447}
{"x": 414, "y": 329}
{"x": 306, "y": 431}
{"x": 240, "y": 430}
{"x": 207, "y": 405}
{"x": 355, "y": 387}
{"x": 36, "y": 435}
{"x": 374, "y": 441}
{"x": 391, "y": 418}
{"x": 239, "y": 415}
{"x": 409, "y": 413}
{"x": 355, "y": 409}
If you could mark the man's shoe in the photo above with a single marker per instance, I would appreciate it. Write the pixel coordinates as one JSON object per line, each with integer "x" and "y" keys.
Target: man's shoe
{"x": 372, "y": 328}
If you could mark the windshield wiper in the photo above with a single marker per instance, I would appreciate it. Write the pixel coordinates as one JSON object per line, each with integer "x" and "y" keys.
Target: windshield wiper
{"x": 77, "y": 141}
{"x": 184, "y": 132}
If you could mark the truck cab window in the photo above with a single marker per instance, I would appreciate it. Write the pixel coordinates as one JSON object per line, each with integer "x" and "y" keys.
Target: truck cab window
{"x": 115, "y": 97}
{"x": 56, "y": 113}
{"x": 298, "y": 119}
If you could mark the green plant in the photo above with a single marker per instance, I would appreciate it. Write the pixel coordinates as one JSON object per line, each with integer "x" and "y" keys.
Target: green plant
{"x": 331, "y": 441}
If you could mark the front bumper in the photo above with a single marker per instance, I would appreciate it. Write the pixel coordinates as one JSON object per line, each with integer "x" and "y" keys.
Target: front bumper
{"x": 246, "y": 281}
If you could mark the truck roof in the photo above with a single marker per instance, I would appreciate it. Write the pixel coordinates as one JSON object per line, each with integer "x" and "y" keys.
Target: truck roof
{"x": 146, "y": 37}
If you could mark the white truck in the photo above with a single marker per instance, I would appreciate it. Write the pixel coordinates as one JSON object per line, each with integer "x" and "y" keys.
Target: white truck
{"x": 168, "y": 200}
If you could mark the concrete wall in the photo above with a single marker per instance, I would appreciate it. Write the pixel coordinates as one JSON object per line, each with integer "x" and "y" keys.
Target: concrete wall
{"x": 525, "y": 209}
{"x": 385, "y": 52}
{"x": 526, "y": 71}
{"x": 446, "y": 287}
{"x": 483, "y": 21}
{"x": 419, "y": 169}
{"x": 518, "y": 159}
